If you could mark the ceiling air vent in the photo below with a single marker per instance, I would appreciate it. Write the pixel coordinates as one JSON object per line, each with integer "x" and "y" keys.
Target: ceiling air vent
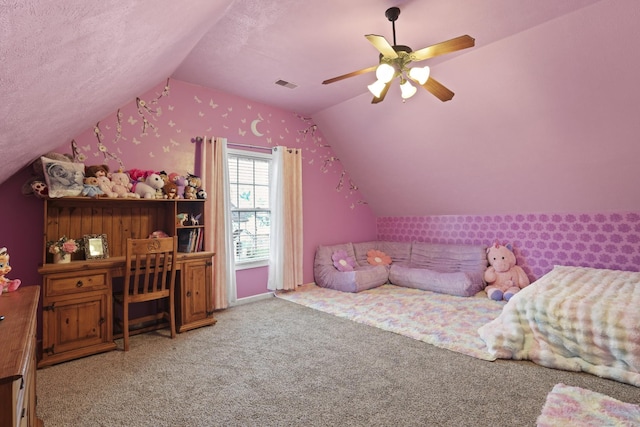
{"x": 286, "y": 84}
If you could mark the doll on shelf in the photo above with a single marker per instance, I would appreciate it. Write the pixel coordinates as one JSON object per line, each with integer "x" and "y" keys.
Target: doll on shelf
{"x": 6, "y": 285}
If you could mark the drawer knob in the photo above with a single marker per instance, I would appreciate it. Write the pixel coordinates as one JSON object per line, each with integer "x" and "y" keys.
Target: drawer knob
{"x": 188, "y": 293}
{"x": 79, "y": 284}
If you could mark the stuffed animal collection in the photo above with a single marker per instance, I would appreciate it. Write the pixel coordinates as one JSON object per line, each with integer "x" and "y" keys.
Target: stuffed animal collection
{"x": 6, "y": 285}
{"x": 504, "y": 278}
{"x": 98, "y": 181}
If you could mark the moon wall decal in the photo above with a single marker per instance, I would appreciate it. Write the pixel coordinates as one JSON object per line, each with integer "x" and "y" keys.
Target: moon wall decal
{"x": 254, "y": 127}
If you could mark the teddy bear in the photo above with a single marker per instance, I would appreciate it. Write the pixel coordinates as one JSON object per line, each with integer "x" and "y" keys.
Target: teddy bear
{"x": 104, "y": 182}
{"x": 147, "y": 189}
{"x": 190, "y": 193}
{"x": 96, "y": 170}
{"x": 504, "y": 278}
{"x": 122, "y": 185}
{"x": 6, "y": 285}
{"x": 194, "y": 181}
{"x": 91, "y": 187}
{"x": 170, "y": 190}
{"x": 194, "y": 186}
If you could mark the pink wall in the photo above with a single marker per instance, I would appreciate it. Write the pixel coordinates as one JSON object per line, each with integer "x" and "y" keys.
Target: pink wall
{"x": 541, "y": 240}
{"x": 333, "y": 208}
{"x": 543, "y": 121}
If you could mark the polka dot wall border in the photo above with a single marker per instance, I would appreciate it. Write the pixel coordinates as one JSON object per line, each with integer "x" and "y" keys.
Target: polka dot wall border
{"x": 599, "y": 240}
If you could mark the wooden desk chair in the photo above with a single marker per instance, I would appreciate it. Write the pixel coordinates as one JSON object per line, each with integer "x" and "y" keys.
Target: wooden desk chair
{"x": 149, "y": 275}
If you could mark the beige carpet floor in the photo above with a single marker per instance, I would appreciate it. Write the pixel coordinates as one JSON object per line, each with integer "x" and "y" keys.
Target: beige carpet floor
{"x": 276, "y": 363}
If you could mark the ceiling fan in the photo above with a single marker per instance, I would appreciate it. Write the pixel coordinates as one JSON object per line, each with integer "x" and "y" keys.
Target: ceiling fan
{"x": 394, "y": 61}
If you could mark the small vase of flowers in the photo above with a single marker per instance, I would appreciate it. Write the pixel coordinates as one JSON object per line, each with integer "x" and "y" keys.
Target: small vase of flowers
{"x": 62, "y": 249}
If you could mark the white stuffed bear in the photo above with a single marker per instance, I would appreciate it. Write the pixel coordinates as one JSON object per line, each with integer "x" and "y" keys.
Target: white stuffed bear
{"x": 147, "y": 189}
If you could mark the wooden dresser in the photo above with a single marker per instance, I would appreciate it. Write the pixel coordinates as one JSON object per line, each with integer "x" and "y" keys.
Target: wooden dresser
{"x": 18, "y": 357}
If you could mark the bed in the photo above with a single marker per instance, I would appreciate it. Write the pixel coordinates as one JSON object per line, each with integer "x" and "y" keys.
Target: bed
{"x": 576, "y": 319}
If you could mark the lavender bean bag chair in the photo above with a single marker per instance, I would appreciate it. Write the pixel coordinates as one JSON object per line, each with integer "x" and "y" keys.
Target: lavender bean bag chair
{"x": 359, "y": 278}
{"x": 451, "y": 269}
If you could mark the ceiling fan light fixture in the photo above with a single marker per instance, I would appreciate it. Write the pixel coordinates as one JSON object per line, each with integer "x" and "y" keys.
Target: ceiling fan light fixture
{"x": 376, "y": 88}
{"x": 394, "y": 62}
{"x": 385, "y": 72}
{"x": 407, "y": 90}
{"x": 420, "y": 74}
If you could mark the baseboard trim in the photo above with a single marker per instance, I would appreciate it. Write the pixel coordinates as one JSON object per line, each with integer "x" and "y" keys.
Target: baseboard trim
{"x": 252, "y": 298}
{"x": 258, "y": 297}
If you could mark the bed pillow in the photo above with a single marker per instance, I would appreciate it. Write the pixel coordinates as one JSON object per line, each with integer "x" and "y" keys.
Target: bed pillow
{"x": 342, "y": 261}
{"x": 64, "y": 179}
{"x": 378, "y": 258}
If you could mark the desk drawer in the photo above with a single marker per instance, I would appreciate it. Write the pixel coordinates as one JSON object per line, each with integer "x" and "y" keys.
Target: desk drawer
{"x": 65, "y": 284}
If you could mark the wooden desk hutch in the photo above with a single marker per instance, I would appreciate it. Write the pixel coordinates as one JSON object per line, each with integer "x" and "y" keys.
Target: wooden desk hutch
{"x": 77, "y": 309}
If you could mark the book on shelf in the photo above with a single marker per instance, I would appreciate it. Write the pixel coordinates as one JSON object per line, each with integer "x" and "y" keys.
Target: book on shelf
{"x": 190, "y": 240}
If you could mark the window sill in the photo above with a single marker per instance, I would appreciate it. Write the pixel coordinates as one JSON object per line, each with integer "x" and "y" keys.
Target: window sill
{"x": 252, "y": 264}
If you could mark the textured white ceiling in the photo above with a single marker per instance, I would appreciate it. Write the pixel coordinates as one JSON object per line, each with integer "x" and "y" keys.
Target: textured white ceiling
{"x": 66, "y": 64}
{"x": 258, "y": 42}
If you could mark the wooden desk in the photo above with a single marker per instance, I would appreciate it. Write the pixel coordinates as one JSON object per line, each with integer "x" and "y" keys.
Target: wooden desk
{"x": 77, "y": 309}
{"x": 18, "y": 357}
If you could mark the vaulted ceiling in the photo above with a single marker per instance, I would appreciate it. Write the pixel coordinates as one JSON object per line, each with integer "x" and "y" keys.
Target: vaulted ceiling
{"x": 67, "y": 64}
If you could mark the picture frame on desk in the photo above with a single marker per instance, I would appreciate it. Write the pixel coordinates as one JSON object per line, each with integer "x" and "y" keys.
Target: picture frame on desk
{"x": 95, "y": 246}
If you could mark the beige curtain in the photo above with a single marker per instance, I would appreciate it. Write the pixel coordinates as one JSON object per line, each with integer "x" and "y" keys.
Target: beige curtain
{"x": 285, "y": 263}
{"x": 215, "y": 178}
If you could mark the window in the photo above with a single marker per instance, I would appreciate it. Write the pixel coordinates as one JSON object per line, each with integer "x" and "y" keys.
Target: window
{"x": 250, "y": 206}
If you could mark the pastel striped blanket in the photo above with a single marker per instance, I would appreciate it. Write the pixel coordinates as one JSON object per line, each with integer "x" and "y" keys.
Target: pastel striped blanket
{"x": 575, "y": 319}
{"x": 574, "y": 406}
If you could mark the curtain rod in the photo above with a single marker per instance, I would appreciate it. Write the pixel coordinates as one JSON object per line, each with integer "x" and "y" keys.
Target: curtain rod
{"x": 290, "y": 150}
{"x": 256, "y": 147}
{"x": 210, "y": 140}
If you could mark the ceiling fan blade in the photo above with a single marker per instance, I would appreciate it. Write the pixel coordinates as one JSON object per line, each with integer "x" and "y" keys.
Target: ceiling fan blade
{"x": 438, "y": 89}
{"x": 382, "y": 45}
{"x": 382, "y": 94}
{"x": 352, "y": 74}
{"x": 448, "y": 46}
